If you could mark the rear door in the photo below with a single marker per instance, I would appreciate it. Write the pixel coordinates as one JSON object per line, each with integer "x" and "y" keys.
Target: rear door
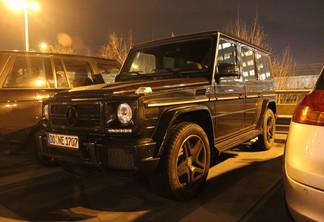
{"x": 253, "y": 89}
{"x": 25, "y": 82}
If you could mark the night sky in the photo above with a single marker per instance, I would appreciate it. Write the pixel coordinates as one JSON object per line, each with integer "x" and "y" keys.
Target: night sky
{"x": 298, "y": 24}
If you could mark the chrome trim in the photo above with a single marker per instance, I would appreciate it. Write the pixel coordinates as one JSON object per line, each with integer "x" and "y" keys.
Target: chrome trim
{"x": 176, "y": 103}
{"x": 85, "y": 99}
{"x": 269, "y": 94}
{"x": 252, "y": 96}
{"x": 163, "y": 87}
{"x": 228, "y": 98}
{"x": 226, "y": 114}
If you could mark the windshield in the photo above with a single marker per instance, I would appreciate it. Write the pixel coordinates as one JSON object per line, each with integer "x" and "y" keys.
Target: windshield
{"x": 193, "y": 56}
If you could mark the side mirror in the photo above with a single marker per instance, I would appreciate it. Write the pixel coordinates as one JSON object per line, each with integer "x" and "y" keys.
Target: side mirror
{"x": 228, "y": 69}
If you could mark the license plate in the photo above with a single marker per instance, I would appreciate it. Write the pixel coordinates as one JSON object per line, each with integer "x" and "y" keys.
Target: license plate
{"x": 68, "y": 141}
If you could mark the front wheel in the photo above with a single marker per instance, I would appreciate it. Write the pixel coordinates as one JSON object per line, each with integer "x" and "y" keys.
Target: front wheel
{"x": 184, "y": 166}
{"x": 266, "y": 139}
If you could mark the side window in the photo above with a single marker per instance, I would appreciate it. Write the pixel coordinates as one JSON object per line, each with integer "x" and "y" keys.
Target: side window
{"x": 248, "y": 68}
{"x": 226, "y": 52}
{"x": 29, "y": 72}
{"x": 263, "y": 66}
{"x": 227, "y": 62}
{"x": 61, "y": 79}
{"x": 79, "y": 73}
{"x": 108, "y": 72}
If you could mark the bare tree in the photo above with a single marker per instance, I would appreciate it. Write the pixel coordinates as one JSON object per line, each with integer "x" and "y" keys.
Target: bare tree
{"x": 116, "y": 47}
{"x": 253, "y": 32}
{"x": 282, "y": 65}
{"x": 58, "y": 48}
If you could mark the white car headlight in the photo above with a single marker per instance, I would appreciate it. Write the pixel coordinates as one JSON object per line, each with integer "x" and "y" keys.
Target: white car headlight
{"x": 124, "y": 113}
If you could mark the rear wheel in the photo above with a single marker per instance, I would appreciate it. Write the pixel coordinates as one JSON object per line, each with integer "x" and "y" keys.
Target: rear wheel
{"x": 184, "y": 166}
{"x": 266, "y": 139}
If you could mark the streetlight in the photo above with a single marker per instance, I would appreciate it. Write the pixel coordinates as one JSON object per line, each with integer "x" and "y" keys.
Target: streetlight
{"x": 43, "y": 46}
{"x": 25, "y": 5}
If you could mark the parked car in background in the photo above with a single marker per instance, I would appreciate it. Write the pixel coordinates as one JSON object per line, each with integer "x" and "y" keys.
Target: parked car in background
{"x": 304, "y": 157}
{"x": 176, "y": 103}
{"x": 27, "y": 78}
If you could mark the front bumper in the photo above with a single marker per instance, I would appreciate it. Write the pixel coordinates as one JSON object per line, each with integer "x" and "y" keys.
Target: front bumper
{"x": 126, "y": 154}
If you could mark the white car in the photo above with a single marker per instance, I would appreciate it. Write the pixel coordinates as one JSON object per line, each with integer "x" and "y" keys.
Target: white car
{"x": 304, "y": 157}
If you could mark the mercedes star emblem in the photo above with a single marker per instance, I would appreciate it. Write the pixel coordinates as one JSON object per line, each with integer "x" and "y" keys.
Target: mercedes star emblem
{"x": 71, "y": 116}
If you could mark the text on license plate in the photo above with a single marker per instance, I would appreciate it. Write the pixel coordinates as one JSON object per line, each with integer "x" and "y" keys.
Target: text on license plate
{"x": 63, "y": 140}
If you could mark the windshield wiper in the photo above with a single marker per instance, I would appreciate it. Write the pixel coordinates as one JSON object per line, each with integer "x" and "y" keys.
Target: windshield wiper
{"x": 132, "y": 75}
{"x": 168, "y": 70}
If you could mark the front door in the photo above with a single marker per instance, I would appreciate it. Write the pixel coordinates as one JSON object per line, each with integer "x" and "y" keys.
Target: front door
{"x": 229, "y": 93}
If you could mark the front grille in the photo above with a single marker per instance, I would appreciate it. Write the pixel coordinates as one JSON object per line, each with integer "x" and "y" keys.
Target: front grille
{"x": 86, "y": 116}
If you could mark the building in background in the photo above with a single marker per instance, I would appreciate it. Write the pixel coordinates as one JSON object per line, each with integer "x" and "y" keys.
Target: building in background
{"x": 303, "y": 77}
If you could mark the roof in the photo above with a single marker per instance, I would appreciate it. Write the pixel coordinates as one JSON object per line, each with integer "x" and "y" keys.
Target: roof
{"x": 196, "y": 35}
{"x": 52, "y": 53}
{"x": 307, "y": 69}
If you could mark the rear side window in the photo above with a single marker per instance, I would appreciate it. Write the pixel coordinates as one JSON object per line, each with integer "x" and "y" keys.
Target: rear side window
{"x": 29, "y": 72}
{"x": 247, "y": 56}
{"x": 263, "y": 66}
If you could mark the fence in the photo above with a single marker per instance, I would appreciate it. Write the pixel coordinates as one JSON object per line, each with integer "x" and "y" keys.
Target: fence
{"x": 291, "y": 96}
{"x": 286, "y": 104}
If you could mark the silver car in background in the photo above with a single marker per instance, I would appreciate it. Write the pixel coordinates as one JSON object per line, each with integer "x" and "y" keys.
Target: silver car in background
{"x": 304, "y": 158}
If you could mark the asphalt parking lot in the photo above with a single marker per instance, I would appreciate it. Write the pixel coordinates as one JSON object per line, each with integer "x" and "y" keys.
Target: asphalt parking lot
{"x": 245, "y": 185}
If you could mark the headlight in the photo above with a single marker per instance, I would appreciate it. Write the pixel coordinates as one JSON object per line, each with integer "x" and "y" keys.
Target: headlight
{"x": 45, "y": 111}
{"x": 124, "y": 113}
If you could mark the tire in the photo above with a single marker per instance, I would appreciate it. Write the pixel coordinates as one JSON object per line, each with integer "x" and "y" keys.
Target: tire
{"x": 185, "y": 163}
{"x": 266, "y": 139}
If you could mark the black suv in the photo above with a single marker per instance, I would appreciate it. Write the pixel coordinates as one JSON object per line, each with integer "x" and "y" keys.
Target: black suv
{"x": 176, "y": 103}
{"x": 26, "y": 78}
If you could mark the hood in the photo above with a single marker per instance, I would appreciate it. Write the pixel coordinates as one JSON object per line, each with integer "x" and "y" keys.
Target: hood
{"x": 130, "y": 87}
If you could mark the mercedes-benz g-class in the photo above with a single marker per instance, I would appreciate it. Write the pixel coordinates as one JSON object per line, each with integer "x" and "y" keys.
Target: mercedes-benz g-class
{"x": 176, "y": 103}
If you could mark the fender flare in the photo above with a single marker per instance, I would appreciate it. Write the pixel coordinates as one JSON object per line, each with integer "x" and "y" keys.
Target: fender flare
{"x": 167, "y": 121}
{"x": 267, "y": 103}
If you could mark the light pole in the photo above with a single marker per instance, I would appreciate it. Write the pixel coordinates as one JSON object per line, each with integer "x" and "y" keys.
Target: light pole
{"x": 26, "y": 5}
{"x": 26, "y": 27}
